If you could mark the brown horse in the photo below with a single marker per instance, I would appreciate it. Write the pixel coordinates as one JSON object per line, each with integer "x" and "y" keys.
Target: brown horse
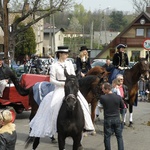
{"x": 131, "y": 78}
{"x": 93, "y": 95}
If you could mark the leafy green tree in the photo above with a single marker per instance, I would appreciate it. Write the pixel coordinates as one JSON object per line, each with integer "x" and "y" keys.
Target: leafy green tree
{"x": 74, "y": 25}
{"x": 26, "y": 43}
{"x": 118, "y": 21}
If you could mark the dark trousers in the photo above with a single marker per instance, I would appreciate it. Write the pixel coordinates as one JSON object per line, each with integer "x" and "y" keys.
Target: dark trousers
{"x": 123, "y": 112}
{"x": 113, "y": 126}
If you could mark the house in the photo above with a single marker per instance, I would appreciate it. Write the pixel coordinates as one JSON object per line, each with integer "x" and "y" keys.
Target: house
{"x": 133, "y": 36}
{"x": 104, "y": 37}
{"x": 53, "y": 37}
{"x": 71, "y": 34}
{"x": 37, "y": 28}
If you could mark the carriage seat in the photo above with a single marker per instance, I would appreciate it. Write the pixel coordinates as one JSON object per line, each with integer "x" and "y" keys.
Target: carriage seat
{"x": 28, "y": 80}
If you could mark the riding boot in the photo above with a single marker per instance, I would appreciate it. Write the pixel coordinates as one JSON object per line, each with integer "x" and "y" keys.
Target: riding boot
{"x": 53, "y": 140}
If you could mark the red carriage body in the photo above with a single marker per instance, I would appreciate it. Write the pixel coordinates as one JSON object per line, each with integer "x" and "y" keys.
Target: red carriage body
{"x": 12, "y": 98}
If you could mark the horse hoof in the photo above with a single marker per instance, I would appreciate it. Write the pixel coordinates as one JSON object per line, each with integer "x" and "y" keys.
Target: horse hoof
{"x": 93, "y": 133}
{"x": 130, "y": 124}
{"x": 85, "y": 135}
{"x": 80, "y": 148}
{"x": 54, "y": 141}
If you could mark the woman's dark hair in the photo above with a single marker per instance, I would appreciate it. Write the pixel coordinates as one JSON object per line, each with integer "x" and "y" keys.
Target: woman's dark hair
{"x": 57, "y": 54}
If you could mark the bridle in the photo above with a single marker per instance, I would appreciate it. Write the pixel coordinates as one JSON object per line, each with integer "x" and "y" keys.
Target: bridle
{"x": 72, "y": 96}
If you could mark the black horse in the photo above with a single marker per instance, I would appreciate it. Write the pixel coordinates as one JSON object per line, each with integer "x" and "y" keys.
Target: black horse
{"x": 70, "y": 121}
{"x": 91, "y": 83}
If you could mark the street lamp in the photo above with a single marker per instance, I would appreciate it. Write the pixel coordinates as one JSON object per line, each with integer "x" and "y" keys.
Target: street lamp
{"x": 103, "y": 25}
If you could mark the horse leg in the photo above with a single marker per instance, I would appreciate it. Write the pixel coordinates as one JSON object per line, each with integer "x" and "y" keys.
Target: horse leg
{"x": 77, "y": 142}
{"x": 93, "y": 107}
{"x": 35, "y": 143}
{"x": 130, "y": 115}
{"x": 61, "y": 142}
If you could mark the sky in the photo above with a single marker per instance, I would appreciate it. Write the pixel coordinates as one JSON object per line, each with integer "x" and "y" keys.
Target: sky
{"x": 120, "y": 5}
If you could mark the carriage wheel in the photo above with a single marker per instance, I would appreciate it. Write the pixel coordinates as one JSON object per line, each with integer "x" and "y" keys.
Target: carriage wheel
{"x": 19, "y": 109}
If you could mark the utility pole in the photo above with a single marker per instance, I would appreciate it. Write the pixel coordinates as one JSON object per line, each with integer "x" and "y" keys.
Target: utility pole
{"x": 6, "y": 32}
{"x": 91, "y": 45}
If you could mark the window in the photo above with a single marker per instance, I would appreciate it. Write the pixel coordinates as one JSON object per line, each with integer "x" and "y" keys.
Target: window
{"x": 148, "y": 33}
{"x": 135, "y": 55}
{"x": 139, "y": 32}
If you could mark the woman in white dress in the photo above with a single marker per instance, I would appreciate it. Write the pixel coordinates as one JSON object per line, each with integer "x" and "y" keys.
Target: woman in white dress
{"x": 45, "y": 121}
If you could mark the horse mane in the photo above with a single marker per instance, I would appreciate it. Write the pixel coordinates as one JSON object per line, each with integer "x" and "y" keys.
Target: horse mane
{"x": 87, "y": 80}
{"x": 96, "y": 70}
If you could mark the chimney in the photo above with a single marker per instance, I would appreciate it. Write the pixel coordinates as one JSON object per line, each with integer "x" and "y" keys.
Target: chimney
{"x": 148, "y": 9}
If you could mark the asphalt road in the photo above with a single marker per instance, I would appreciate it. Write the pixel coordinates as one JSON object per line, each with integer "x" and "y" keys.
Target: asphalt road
{"x": 136, "y": 138}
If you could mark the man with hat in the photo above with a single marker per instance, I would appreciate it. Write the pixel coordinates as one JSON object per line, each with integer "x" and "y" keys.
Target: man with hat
{"x": 83, "y": 62}
{"x": 3, "y": 76}
{"x": 120, "y": 61}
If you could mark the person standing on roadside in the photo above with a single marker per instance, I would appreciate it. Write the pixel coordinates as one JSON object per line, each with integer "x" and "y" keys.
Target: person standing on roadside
{"x": 26, "y": 62}
{"x": 4, "y": 78}
{"x": 112, "y": 124}
{"x": 125, "y": 97}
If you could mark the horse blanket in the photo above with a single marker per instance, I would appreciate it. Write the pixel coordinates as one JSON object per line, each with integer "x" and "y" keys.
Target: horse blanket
{"x": 41, "y": 89}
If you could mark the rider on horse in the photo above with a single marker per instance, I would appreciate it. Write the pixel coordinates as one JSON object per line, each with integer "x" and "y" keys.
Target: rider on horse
{"x": 120, "y": 61}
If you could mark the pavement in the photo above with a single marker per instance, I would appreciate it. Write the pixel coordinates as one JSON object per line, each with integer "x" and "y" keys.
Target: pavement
{"x": 135, "y": 138}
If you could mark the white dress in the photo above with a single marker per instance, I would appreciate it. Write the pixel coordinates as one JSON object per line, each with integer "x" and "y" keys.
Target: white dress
{"x": 45, "y": 121}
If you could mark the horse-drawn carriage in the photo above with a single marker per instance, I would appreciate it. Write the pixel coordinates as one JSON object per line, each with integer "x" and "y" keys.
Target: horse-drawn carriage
{"x": 12, "y": 97}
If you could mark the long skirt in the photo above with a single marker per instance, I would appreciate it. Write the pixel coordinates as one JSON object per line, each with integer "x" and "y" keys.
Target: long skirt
{"x": 45, "y": 121}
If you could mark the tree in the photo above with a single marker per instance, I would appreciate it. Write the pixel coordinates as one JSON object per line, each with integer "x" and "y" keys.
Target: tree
{"x": 26, "y": 43}
{"x": 140, "y": 5}
{"x": 74, "y": 25}
{"x": 118, "y": 21}
{"x": 39, "y": 9}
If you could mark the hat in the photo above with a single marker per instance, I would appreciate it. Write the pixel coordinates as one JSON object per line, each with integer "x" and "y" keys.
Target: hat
{"x": 63, "y": 49}
{"x": 83, "y": 48}
{"x": 121, "y": 46}
{"x": 1, "y": 55}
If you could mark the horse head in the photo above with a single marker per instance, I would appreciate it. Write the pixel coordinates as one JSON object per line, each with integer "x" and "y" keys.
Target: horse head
{"x": 144, "y": 65}
{"x": 71, "y": 89}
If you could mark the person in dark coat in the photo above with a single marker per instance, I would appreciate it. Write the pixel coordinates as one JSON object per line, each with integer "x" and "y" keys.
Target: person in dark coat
{"x": 120, "y": 61}
{"x": 109, "y": 67}
{"x": 112, "y": 103}
{"x": 142, "y": 88}
{"x": 83, "y": 62}
{"x": 8, "y": 135}
{"x": 4, "y": 77}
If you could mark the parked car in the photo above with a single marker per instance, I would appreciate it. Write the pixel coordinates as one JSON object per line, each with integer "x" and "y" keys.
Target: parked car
{"x": 97, "y": 63}
{"x": 74, "y": 64}
{"x": 18, "y": 69}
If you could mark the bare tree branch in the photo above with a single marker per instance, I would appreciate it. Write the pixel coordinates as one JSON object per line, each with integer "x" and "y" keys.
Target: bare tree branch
{"x": 140, "y": 5}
